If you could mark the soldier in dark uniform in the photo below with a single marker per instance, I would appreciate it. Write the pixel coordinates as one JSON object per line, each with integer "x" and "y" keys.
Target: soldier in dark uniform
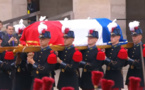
{"x": 23, "y": 77}
{"x": 113, "y": 61}
{"x": 134, "y": 60}
{"x": 43, "y": 62}
{"x": 69, "y": 74}
{"x": 90, "y": 61}
{"x": 7, "y": 66}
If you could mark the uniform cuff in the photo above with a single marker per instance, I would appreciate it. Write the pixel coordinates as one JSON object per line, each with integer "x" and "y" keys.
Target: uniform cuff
{"x": 1, "y": 62}
{"x": 82, "y": 62}
{"x": 130, "y": 60}
{"x": 63, "y": 64}
{"x": 108, "y": 60}
{"x": 35, "y": 65}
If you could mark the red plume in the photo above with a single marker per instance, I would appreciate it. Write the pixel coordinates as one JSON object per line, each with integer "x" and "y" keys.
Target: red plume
{"x": 9, "y": 55}
{"x": 37, "y": 85}
{"x": 77, "y": 56}
{"x": 20, "y": 31}
{"x": 110, "y": 84}
{"x": 107, "y": 84}
{"x": 101, "y": 55}
{"x": 122, "y": 53}
{"x": 91, "y": 31}
{"x": 113, "y": 29}
{"x": 96, "y": 77}
{"x": 136, "y": 28}
{"x": 52, "y": 59}
{"x": 104, "y": 84}
{"x": 134, "y": 83}
{"x": 47, "y": 83}
{"x": 144, "y": 50}
{"x": 66, "y": 30}
{"x": 67, "y": 88}
{"x": 43, "y": 31}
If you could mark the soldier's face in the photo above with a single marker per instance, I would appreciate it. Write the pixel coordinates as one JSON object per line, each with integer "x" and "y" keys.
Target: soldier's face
{"x": 1, "y": 25}
{"x": 68, "y": 41}
{"x": 92, "y": 40}
{"x": 10, "y": 30}
{"x": 136, "y": 39}
{"x": 115, "y": 39}
{"x": 44, "y": 42}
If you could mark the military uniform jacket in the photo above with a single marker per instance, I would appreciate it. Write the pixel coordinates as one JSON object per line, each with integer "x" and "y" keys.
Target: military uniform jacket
{"x": 114, "y": 68}
{"x": 69, "y": 74}
{"x": 135, "y": 68}
{"x": 23, "y": 77}
{"x": 6, "y": 73}
{"x": 41, "y": 68}
{"x": 89, "y": 56}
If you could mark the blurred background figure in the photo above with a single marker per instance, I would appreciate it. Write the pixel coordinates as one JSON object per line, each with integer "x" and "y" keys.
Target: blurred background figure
{"x": 1, "y": 26}
{"x": 9, "y": 39}
{"x": 31, "y": 7}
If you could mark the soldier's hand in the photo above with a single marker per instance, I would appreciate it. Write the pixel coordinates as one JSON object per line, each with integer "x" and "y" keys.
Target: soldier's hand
{"x": 30, "y": 55}
{"x": 30, "y": 60}
{"x": 58, "y": 60}
{"x": 56, "y": 52}
{"x": 103, "y": 50}
{"x": 18, "y": 59}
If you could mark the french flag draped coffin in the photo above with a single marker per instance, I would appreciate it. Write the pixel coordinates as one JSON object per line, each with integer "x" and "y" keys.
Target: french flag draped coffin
{"x": 80, "y": 27}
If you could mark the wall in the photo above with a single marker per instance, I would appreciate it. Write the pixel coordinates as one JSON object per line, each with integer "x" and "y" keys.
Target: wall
{"x": 52, "y": 8}
{"x": 91, "y": 8}
{"x": 12, "y": 8}
{"x": 118, "y": 11}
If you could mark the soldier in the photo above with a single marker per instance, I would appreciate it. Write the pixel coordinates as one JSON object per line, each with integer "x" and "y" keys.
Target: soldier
{"x": 90, "y": 61}
{"x": 69, "y": 74}
{"x": 115, "y": 58}
{"x": 23, "y": 77}
{"x": 134, "y": 54}
{"x": 7, "y": 66}
{"x": 43, "y": 62}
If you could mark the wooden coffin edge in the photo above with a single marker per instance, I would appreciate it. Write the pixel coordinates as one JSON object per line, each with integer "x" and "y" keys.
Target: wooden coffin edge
{"x": 54, "y": 47}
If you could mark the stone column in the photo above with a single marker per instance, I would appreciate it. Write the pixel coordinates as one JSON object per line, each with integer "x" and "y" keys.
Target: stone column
{"x": 118, "y": 11}
{"x": 91, "y": 8}
{"x": 12, "y": 8}
{"x": 19, "y": 8}
{"x": 52, "y": 8}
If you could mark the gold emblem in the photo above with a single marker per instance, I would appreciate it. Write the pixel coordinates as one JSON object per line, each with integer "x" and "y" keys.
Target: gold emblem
{"x": 132, "y": 67}
{"x": 18, "y": 70}
{"x": 108, "y": 68}
{"x": 85, "y": 70}
{"x": 62, "y": 70}
{"x": 37, "y": 72}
